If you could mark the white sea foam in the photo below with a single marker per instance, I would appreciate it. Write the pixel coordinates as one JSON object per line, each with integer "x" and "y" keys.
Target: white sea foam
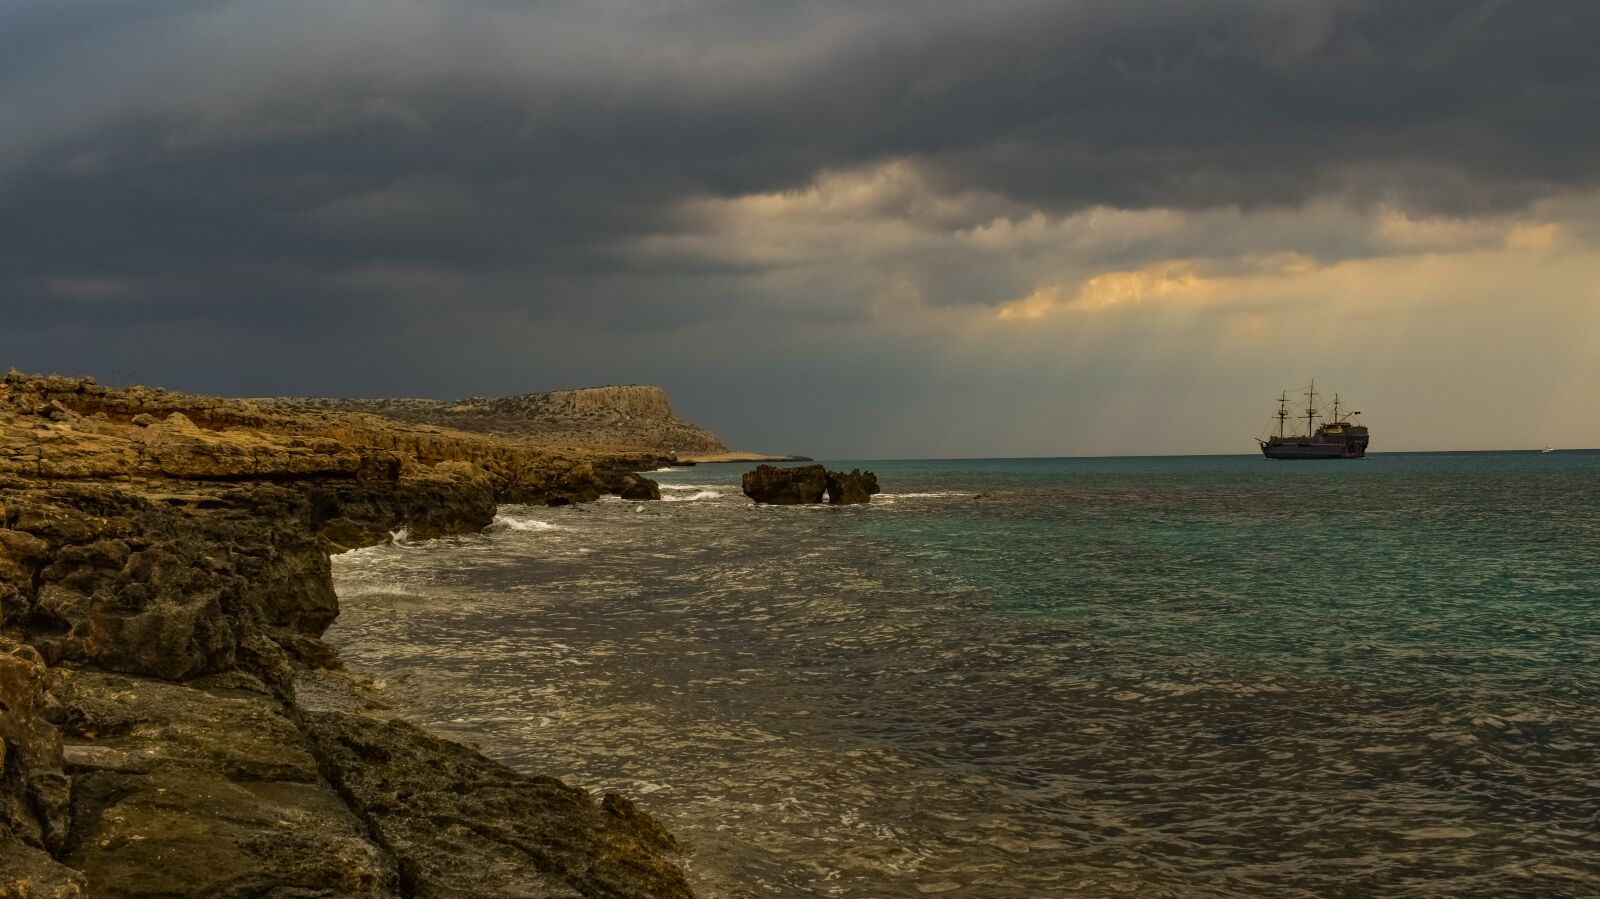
{"x": 694, "y": 487}
{"x": 351, "y": 587}
{"x": 513, "y": 523}
{"x": 703, "y": 494}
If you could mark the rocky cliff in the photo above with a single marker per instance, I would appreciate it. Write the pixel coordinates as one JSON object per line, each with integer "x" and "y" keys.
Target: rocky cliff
{"x": 171, "y": 723}
{"x": 633, "y": 418}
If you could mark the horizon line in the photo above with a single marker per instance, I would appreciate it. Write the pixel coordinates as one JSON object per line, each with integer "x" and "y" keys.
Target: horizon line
{"x": 1520, "y": 450}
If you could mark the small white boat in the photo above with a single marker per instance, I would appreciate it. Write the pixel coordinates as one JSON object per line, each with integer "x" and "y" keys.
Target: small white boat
{"x": 1548, "y": 449}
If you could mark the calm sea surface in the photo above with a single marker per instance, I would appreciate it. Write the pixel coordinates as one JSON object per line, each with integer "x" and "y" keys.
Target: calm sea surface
{"x": 1185, "y": 677}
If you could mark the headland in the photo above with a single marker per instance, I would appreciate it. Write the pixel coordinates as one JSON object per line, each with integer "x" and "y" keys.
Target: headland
{"x": 172, "y": 723}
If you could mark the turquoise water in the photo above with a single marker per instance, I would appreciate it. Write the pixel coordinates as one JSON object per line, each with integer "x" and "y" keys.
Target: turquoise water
{"x": 1201, "y": 676}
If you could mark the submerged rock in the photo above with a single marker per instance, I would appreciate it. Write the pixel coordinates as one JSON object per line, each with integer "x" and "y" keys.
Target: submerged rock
{"x": 635, "y": 486}
{"x": 786, "y": 486}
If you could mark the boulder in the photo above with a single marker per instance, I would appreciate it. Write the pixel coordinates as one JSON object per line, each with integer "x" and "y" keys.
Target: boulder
{"x": 786, "y": 486}
{"x": 853, "y": 488}
{"x": 635, "y": 486}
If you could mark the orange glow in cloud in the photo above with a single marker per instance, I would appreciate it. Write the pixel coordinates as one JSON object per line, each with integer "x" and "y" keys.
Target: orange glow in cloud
{"x": 1175, "y": 280}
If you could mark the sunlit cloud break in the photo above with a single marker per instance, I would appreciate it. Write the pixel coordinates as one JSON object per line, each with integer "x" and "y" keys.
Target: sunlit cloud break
{"x": 1021, "y": 209}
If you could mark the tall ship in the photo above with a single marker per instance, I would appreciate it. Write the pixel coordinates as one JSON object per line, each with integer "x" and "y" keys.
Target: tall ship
{"x": 1338, "y": 437}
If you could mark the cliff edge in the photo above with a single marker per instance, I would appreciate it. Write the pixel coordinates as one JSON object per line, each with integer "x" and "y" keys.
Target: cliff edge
{"x": 171, "y": 722}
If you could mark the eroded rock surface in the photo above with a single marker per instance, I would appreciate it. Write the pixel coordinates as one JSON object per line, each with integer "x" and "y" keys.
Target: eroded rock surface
{"x": 164, "y": 584}
{"x": 205, "y": 789}
{"x": 35, "y": 793}
{"x": 853, "y": 488}
{"x": 809, "y": 484}
{"x": 465, "y": 826}
{"x": 639, "y": 487}
{"x": 786, "y": 486}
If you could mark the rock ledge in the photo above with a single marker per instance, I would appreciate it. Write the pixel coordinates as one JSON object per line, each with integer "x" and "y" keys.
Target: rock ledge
{"x": 165, "y": 728}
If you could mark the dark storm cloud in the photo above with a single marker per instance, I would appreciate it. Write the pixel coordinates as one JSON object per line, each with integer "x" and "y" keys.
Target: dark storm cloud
{"x": 279, "y": 166}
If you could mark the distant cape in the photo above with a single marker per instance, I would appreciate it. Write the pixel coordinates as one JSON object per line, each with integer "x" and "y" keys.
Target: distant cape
{"x": 633, "y": 417}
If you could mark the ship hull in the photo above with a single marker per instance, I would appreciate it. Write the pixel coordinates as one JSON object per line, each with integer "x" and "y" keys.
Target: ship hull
{"x": 1313, "y": 450}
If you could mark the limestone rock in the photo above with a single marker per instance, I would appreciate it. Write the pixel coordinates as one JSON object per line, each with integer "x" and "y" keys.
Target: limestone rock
{"x": 853, "y": 488}
{"x": 808, "y": 484}
{"x": 34, "y": 791}
{"x": 786, "y": 486}
{"x": 637, "y": 487}
{"x": 183, "y": 449}
{"x": 29, "y": 873}
{"x": 465, "y": 825}
{"x": 21, "y": 554}
{"x": 188, "y": 790}
{"x": 164, "y": 559}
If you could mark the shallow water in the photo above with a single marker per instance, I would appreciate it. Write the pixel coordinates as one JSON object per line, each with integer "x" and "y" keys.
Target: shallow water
{"x": 1152, "y": 677}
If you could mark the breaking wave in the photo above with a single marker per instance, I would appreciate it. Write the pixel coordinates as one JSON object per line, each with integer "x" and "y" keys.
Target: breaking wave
{"x": 518, "y": 523}
{"x": 703, "y": 494}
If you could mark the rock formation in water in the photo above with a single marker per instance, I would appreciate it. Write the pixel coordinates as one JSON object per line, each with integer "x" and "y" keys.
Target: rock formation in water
{"x": 633, "y": 418}
{"x": 808, "y": 484}
{"x": 635, "y": 486}
{"x": 786, "y": 486}
{"x": 172, "y": 724}
{"x": 851, "y": 489}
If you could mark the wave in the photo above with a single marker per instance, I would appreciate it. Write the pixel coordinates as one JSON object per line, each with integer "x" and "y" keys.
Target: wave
{"x": 512, "y": 523}
{"x": 348, "y": 588}
{"x": 695, "y": 487}
{"x": 704, "y": 494}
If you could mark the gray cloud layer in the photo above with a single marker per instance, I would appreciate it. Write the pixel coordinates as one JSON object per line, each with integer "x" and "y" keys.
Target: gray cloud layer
{"x": 395, "y": 172}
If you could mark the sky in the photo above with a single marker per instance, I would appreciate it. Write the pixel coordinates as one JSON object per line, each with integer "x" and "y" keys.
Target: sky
{"x": 865, "y": 229}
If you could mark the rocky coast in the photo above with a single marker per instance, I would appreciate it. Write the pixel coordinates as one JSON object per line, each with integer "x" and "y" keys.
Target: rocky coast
{"x": 172, "y": 723}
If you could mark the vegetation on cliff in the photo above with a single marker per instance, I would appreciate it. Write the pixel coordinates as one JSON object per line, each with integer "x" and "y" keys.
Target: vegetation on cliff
{"x": 630, "y": 418}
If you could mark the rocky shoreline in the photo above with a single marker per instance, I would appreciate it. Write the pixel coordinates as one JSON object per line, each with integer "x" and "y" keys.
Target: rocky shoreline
{"x": 171, "y": 722}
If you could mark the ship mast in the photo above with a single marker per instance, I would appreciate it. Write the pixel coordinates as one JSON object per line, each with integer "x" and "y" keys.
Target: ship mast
{"x": 1336, "y": 418}
{"x": 1311, "y": 409}
{"x": 1283, "y": 411}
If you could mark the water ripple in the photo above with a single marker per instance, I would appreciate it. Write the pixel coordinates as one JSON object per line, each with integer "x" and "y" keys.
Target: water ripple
{"x": 1148, "y": 678}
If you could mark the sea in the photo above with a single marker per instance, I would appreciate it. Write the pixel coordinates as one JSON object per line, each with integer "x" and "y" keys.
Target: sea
{"x": 1151, "y": 677}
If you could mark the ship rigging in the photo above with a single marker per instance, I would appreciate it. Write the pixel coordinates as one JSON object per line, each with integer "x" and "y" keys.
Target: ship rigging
{"x": 1338, "y": 437}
